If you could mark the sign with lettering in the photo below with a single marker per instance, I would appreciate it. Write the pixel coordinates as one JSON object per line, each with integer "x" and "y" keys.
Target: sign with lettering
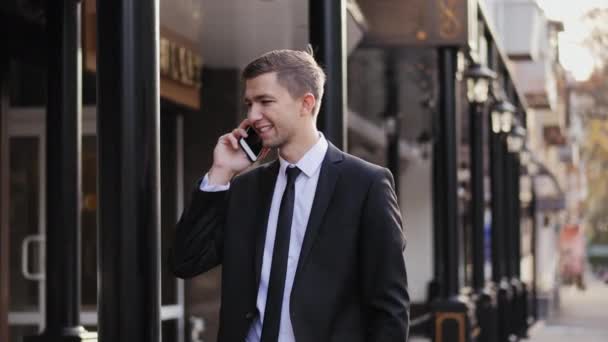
{"x": 420, "y": 22}
{"x": 179, "y": 63}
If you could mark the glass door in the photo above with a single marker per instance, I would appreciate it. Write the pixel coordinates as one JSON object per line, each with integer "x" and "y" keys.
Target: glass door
{"x": 27, "y": 180}
{"x": 26, "y": 155}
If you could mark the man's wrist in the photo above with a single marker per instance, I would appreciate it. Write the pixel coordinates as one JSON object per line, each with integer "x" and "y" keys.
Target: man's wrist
{"x": 220, "y": 176}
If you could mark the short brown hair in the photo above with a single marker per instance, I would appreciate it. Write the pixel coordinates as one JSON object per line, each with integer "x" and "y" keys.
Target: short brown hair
{"x": 297, "y": 71}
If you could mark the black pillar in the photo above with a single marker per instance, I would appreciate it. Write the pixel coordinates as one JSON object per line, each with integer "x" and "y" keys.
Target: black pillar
{"x": 445, "y": 186}
{"x": 4, "y": 181}
{"x": 516, "y": 316}
{"x": 516, "y": 171}
{"x": 521, "y": 301}
{"x": 391, "y": 115}
{"x": 498, "y": 227}
{"x": 327, "y": 22}
{"x": 129, "y": 179}
{"x": 497, "y": 189}
{"x": 451, "y": 313}
{"x": 63, "y": 134}
{"x": 476, "y": 145}
{"x": 509, "y": 207}
{"x": 484, "y": 295}
{"x": 533, "y": 216}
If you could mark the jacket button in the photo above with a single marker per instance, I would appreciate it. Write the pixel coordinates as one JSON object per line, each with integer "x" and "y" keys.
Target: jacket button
{"x": 249, "y": 315}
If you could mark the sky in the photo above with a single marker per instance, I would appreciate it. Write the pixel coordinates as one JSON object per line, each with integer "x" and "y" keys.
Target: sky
{"x": 573, "y": 55}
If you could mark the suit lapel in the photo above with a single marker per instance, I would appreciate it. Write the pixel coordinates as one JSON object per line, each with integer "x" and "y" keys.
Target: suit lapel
{"x": 325, "y": 188}
{"x": 264, "y": 199}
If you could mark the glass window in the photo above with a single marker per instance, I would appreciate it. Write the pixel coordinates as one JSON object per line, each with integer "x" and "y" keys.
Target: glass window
{"x": 17, "y": 333}
{"x": 89, "y": 223}
{"x": 24, "y": 212}
{"x": 169, "y": 330}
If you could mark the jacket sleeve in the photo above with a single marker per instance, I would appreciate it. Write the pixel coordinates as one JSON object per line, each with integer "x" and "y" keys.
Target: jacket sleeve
{"x": 198, "y": 242}
{"x": 384, "y": 277}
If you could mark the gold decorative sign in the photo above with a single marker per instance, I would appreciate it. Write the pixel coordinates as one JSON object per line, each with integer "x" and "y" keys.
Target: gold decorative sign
{"x": 420, "y": 22}
{"x": 179, "y": 63}
{"x": 450, "y": 25}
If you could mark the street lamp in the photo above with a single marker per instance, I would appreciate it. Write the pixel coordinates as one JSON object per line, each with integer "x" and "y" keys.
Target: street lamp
{"x": 516, "y": 139}
{"x": 478, "y": 78}
{"x": 533, "y": 168}
{"x": 502, "y": 117}
{"x": 525, "y": 156}
{"x": 531, "y": 165}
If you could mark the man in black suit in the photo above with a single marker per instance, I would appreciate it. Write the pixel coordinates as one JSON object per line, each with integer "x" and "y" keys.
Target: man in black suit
{"x": 311, "y": 244}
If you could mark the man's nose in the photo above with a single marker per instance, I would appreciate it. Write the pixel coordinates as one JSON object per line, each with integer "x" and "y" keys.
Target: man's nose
{"x": 254, "y": 114}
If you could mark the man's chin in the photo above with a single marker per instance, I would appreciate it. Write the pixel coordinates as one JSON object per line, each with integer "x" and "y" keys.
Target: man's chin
{"x": 272, "y": 143}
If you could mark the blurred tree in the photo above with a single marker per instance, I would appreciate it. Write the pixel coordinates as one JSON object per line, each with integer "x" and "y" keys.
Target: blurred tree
{"x": 597, "y": 41}
{"x": 596, "y": 87}
{"x": 593, "y": 94}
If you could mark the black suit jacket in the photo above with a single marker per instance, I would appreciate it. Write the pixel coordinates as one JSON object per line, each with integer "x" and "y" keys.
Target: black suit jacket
{"x": 350, "y": 284}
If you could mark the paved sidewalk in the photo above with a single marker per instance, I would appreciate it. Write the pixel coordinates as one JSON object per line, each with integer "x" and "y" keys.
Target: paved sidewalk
{"x": 583, "y": 316}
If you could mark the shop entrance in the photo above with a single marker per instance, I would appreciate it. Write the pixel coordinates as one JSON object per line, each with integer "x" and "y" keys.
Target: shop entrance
{"x": 25, "y": 202}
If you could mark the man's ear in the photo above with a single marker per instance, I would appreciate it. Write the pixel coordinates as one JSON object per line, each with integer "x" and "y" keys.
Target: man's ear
{"x": 308, "y": 104}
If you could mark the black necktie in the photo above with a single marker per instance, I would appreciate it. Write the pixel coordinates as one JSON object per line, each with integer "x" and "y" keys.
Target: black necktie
{"x": 278, "y": 268}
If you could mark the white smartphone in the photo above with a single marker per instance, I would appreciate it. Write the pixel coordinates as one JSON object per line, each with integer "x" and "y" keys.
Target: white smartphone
{"x": 252, "y": 145}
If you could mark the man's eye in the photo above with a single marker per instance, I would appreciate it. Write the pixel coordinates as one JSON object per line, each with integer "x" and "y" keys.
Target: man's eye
{"x": 266, "y": 102}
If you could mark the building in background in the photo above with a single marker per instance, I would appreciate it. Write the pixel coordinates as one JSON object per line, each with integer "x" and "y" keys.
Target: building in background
{"x": 556, "y": 186}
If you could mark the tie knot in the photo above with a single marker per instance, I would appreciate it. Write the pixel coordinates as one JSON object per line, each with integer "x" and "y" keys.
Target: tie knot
{"x": 292, "y": 174}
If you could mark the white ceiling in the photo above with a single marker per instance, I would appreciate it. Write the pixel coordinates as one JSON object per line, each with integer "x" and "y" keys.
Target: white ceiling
{"x": 230, "y": 33}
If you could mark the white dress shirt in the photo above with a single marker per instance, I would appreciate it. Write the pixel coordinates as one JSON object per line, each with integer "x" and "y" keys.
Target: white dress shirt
{"x": 305, "y": 186}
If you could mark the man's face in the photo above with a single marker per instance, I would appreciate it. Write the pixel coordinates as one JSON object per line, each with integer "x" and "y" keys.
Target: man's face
{"x": 271, "y": 110}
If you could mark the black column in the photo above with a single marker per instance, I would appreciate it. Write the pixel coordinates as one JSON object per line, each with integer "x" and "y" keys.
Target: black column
{"x": 449, "y": 307}
{"x": 63, "y": 154}
{"x": 520, "y": 288}
{"x": 391, "y": 115}
{"x": 476, "y": 119}
{"x": 508, "y": 218}
{"x": 327, "y": 23}
{"x": 128, "y": 150}
{"x": 516, "y": 257}
{"x": 4, "y": 181}
{"x": 500, "y": 243}
{"x": 497, "y": 188}
{"x": 513, "y": 253}
{"x": 533, "y": 215}
{"x": 445, "y": 187}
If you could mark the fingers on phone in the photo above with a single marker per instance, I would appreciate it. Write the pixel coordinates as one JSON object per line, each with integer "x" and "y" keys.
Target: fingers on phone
{"x": 233, "y": 141}
{"x": 229, "y": 139}
{"x": 239, "y": 132}
{"x": 244, "y": 124}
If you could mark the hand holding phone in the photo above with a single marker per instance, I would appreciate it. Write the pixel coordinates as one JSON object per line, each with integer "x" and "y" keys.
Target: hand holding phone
{"x": 230, "y": 157}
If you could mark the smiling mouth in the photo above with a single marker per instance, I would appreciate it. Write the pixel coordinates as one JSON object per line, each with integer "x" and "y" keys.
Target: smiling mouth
{"x": 264, "y": 129}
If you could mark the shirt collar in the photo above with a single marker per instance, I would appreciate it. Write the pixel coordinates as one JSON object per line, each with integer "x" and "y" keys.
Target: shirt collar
{"x": 312, "y": 159}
